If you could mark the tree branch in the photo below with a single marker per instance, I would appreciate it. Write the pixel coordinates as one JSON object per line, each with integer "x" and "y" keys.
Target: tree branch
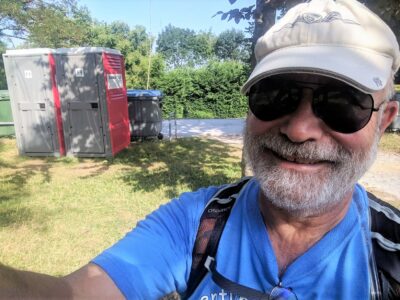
{"x": 13, "y": 36}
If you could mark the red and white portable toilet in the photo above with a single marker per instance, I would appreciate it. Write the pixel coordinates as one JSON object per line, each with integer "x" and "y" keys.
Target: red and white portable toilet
{"x": 92, "y": 89}
{"x": 35, "y": 102}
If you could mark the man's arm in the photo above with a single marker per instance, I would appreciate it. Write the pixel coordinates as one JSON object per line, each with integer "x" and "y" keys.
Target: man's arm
{"x": 89, "y": 282}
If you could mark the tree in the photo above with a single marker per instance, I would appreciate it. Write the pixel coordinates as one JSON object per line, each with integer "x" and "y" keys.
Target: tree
{"x": 264, "y": 14}
{"x": 232, "y": 44}
{"x": 183, "y": 47}
{"x": 13, "y": 18}
{"x": 135, "y": 45}
{"x": 174, "y": 44}
{"x": 203, "y": 47}
{"x": 44, "y": 23}
{"x": 137, "y": 70}
{"x": 120, "y": 29}
{"x": 116, "y": 35}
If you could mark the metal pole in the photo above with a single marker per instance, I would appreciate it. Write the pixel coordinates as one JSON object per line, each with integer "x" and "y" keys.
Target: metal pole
{"x": 176, "y": 127}
{"x": 170, "y": 127}
{"x": 150, "y": 48}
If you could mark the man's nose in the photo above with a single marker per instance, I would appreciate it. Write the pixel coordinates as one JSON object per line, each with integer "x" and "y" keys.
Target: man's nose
{"x": 302, "y": 125}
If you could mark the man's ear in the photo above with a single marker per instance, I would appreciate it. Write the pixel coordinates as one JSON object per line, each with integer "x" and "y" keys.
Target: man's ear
{"x": 389, "y": 114}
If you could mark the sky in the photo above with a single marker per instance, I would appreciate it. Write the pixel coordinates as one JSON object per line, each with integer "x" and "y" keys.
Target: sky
{"x": 155, "y": 15}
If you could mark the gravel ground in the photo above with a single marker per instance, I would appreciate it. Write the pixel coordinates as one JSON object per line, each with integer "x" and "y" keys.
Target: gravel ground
{"x": 383, "y": 178}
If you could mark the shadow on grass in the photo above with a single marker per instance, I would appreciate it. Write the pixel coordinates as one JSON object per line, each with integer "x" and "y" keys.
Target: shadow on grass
{"x": 12, "y": 216}
{"x": 191, "y": 163}
{"x": 12, "y": 185}
{"x": 172, "y": 166}
{"x": 15, "y": 173}
{"x": 6, "y": 144}
{"x": 95, "y": 170}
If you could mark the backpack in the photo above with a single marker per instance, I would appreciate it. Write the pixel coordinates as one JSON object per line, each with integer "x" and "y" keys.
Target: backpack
{"x": 384, "y": 227}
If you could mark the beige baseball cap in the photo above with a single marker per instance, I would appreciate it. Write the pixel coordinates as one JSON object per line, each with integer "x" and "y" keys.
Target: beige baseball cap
{"x": 341, "y": 39}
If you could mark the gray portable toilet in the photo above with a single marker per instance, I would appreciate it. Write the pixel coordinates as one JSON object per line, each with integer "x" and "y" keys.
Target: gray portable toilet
{"x": 34, "y": 100}
{"x": 91, "y": 84}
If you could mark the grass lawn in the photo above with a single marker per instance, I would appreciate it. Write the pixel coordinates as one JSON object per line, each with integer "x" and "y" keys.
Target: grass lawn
{"x": 58, "y": 213}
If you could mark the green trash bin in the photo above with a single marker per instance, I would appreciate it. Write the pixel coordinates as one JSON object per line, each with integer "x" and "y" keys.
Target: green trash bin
{"x": 6, "y": 119}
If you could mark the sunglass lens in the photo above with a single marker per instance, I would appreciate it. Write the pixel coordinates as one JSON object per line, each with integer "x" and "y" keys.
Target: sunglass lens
{"x": 279, "y": 293}
{"x": 270, "y": 99}
{"x": 343, "y": 110}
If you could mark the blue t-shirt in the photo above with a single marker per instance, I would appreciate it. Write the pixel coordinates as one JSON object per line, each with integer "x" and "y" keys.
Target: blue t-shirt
{"x": 155, "y": 258}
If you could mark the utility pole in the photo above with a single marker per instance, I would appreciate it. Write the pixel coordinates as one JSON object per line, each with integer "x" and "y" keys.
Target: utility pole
{"x": 150, "y": 48}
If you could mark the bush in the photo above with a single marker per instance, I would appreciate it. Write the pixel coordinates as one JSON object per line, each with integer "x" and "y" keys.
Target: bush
{"x": 212, "y": 91}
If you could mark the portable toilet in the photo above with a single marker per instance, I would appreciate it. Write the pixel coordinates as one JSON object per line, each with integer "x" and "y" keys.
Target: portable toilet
{"x": 91, "y": 84}
{"x": 35, "y": 102}
{"x": 145, "y": 113}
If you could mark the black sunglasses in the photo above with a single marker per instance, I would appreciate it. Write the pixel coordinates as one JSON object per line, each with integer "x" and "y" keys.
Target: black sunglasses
{"x": 343, "y": 108}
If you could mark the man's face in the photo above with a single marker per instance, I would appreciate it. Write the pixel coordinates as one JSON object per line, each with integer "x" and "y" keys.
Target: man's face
{"x": 303, "y": 166}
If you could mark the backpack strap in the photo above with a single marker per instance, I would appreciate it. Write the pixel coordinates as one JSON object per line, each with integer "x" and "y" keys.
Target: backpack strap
{"x": 212, "y": 223}
{"x": 385, "y": 235}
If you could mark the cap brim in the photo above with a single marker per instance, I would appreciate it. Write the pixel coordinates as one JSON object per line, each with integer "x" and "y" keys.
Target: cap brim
{"x": 365, "y": 70}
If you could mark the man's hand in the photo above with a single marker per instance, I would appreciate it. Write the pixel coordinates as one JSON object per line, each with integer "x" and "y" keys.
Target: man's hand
{"x": 89, "y": 282}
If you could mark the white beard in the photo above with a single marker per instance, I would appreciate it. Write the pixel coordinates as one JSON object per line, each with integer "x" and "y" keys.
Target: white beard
{"x": 302, "y": 194}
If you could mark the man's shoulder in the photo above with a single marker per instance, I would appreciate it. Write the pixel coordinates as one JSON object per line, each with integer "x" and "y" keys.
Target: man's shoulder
{"x": 233, "y": 189}
{"x": 193, "y": 204}
{"x": 218, "y": 192}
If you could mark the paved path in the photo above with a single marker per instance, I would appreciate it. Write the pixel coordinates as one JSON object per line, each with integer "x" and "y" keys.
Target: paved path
{"x": 383, "y": 178}
{"x": 201, "y": 127}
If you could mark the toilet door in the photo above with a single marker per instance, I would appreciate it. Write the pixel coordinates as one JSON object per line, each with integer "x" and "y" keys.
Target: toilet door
{"x": 77, "y": 77}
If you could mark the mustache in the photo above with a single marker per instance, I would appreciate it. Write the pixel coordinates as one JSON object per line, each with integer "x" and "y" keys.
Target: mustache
{"x": 308, "y": 150}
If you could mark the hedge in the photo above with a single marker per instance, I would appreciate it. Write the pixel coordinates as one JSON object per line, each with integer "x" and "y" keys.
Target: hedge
{"x": 212, "y": 91}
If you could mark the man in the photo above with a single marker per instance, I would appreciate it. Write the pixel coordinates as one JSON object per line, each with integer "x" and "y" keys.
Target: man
{"x": 319, "y": 102}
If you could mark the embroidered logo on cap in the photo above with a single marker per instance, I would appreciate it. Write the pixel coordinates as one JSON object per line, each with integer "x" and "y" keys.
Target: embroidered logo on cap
{"x": 312, "y": 18}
